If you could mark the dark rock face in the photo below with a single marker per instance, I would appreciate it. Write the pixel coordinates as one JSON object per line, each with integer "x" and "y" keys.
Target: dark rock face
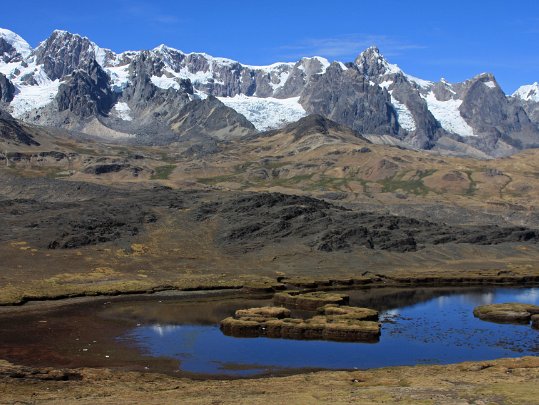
{"x": 492, "y": 114}
{"x": 311, "y": 125}
{"x": 210, "y": 117}
{"x": 7, "y": 89}
{"x": 72, "y": 225}
{"x": 428, "y": 129}
{"x": 151, "y": 104}
{"x": 86, "y": 93}
{"x": 96, "y": 227}
{"x": 251, "y": 222}
{"x": 12, "y": 130}
{"x": 532, "y": 109}
{"x": 347, "y": 97}
{"x": 112, "y": 168}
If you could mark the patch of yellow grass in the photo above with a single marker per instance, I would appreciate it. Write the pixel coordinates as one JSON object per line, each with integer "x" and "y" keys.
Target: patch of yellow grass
{"x": 98, "y": 274}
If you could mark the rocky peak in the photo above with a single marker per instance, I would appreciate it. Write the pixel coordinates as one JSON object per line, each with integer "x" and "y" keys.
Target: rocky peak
{"x": 7, "y": 89}
{"x": 86, "y": 92}
{"x": 488, "y": 80}
{"x": 313, "y": 66}
{"x": 443, "y": 90}
{"x": 64, "y": 52}
{"x": 372, "y": 63}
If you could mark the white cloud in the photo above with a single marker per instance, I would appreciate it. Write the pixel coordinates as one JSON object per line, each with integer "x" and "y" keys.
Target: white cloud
{"x": 346, "y": 46}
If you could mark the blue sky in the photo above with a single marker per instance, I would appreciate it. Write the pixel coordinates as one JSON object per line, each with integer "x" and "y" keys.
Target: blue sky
{"x": 429, "y": 39}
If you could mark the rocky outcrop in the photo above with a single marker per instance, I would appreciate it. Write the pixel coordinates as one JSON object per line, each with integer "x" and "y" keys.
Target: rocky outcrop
{"x": 210, "y": 118}
{"x": 12, "y": 131}
{"x": 107, "y": 168}
{"x": 425, "y": 130}
{"x": 251, "y": 222}
{"x": 493, "y": 116}
{"x": 7, "y": 89}
{"x": 347, "y": 97}
{"x": 86, "y": 93}
{"x": 313, "y": 124}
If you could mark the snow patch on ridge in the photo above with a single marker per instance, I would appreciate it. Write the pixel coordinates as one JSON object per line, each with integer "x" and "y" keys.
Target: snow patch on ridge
{"x": 448, "y": 114}
{"x": 266, "y": 113}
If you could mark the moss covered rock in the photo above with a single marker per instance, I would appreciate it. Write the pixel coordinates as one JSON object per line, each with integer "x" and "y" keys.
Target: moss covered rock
{"x": 507, "y": 313}
{"x": 309, "y": 301}
{"x": 351, "y": 324}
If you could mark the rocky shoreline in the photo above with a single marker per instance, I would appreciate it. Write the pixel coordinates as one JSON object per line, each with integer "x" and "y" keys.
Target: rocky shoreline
{"x": 267, "y": 285}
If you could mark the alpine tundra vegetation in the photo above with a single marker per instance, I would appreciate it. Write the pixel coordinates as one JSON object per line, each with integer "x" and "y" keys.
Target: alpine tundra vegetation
{"x": 177, "y": 227}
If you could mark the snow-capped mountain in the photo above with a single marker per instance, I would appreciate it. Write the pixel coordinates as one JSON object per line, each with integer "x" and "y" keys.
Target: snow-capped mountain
{"x": 528, "y": 92}
{"x": 69, "y": 81}
{"x": 528, "y": 95}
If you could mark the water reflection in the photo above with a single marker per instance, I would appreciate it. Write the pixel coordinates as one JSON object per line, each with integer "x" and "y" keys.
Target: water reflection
{"x": 163, "y": 330}
{"x": 419, "y": 326}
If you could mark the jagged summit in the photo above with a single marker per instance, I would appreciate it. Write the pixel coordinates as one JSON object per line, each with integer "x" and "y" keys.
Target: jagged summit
{"x": 372, "y": 63}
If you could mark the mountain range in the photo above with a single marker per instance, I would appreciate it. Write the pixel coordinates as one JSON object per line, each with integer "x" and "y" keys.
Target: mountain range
{"x": 164, "y": 95}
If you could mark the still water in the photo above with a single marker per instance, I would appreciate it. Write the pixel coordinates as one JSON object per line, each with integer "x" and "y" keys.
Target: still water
{"x": 430, "y": 326}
